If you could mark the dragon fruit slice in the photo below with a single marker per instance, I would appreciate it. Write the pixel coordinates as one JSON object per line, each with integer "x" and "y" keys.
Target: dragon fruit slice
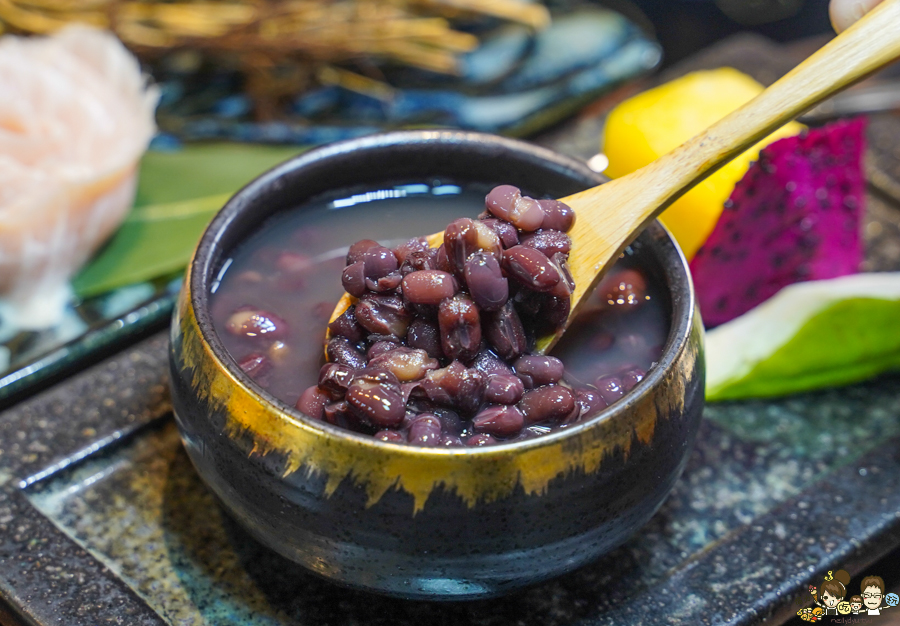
{"x": 795, "y": 216}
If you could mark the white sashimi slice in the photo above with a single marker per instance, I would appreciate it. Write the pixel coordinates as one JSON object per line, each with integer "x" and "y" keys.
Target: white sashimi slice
{"x": 819, "y": 333}
{"x": 75, "y": 117}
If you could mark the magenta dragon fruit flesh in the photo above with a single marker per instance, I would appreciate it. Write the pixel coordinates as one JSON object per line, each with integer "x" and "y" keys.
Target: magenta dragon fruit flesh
{"x": 795, "y": 216}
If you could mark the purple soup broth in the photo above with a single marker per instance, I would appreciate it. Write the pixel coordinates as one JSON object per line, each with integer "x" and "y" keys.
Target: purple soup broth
{"x": 291, "y": 267}
{"x": 275, "y": 294}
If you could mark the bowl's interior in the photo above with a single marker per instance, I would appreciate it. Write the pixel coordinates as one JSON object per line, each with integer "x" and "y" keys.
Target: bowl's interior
{"x": 375, "y": 162}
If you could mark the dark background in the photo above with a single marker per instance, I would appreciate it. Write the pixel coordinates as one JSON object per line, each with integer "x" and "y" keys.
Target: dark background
{"x": 685, "y": 26}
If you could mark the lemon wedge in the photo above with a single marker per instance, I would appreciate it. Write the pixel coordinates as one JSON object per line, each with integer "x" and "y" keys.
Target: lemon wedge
{"x": 656, "y": 121}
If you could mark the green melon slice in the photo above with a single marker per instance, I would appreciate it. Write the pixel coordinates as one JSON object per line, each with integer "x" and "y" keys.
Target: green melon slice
{"x": 809, "y": 335}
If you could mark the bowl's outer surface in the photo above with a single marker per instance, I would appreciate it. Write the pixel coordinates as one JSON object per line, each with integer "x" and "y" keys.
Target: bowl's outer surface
{"x": 416, "y": 522}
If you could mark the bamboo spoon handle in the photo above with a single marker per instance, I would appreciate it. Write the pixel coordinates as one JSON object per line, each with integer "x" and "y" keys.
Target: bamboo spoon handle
{"x": 611, "y": 215}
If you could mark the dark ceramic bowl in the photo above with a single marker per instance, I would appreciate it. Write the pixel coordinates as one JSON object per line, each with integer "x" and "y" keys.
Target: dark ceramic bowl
{"x": 423, "y": 522}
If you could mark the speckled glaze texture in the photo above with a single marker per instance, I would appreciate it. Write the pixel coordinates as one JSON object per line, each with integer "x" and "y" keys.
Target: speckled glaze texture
{"x": 417, "y": 522}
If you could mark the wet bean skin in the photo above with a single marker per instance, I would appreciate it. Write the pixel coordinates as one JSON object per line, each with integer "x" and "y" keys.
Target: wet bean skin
{"x": 376, "y": 399}
{"x": 256, "y": 365}
{"x": 506, "y": 333}
{"x": 256, "y": 324}
{"x": 435, "y": 352}
{"x": 536, "y": 370}
{"x": 530, "y": 267}
{"x": 499, "y": 421}
{"x": 460, "y": 325}
{"x": 550, "y": 403}
{"x": 428, "y": 287}
{"x": 354, "y": 279}
{"x": 507, "y": 203}
{"x": 504, "y": 389}
{"x": 549, "y": 242}
{"x": 486, "y": 283}
{"x": 425, "y": 430}
{"x": 312, "y": 402}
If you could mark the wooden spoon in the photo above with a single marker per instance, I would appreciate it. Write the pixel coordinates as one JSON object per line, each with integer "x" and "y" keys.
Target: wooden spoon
{"x": 610, "y": 216}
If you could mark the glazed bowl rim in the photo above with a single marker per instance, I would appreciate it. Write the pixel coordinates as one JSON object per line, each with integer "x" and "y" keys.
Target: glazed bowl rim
{"x": 201, "y": 268}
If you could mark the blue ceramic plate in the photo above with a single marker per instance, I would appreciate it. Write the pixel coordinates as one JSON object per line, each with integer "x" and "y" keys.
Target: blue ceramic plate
{"x": 90, "y": 329}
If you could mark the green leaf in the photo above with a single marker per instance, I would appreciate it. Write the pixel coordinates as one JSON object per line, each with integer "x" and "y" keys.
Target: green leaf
{"x": 809, "y": 335}
{"x": 155, "y": 240}
{"x": 178, "y": 194}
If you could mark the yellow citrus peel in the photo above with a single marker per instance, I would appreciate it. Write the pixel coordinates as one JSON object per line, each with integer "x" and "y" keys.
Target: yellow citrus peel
{"x": 656, "y": 121}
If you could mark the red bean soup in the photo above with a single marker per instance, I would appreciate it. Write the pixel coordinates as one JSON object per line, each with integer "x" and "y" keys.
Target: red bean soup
{"x": 435, "y": 350}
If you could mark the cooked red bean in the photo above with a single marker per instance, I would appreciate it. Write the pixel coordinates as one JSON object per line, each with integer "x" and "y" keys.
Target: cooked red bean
{"x": 552, "y": 313}
{"x": 504, "y": 330}
{"x": 550, "y": 403}
{"x": 338, "y": 413}
{"x": 406, "y": 364}
{"x": 451, "y": 441}
{"x": 293, "y": 262}
{"x": 488, "y": 364}
{"x": 508, "y": 203}
{"x": 451, "y": 422}
{"x": 342, "y": 350}
{"x": 504, "y": 389}
{"x": 256, "y": 324}
{"x": 500, "y": 421}
{"x": 255, "y": 365}
{"x": 346, "y": 326}
{"x": 441, "y": 261}
{"x": 566, "y": 285}
{"x": 528, "y": 303}
{"x": 425, "y": 430}
{"x": 530, "y": 267}
{"x": 536, "y": 370}
{"x": 631, "y": 377}
{"x": 416, "y": 244}
{"x": 485, "y": 281}
{"x": 385, "y": 283}
{"x": 610, "y": 388}
{"x": 428, "y": 286}
{"x": 426, "y": 336}
{"x": 375, "y": 397}
{"x": 312, "y": 402}
{"x": 379, "y": 261}
{"x": 464, "y": 237}
{"x": 393, "y": 436}
{"x": 549, "y": 242}
{"x": 460, "y": 326}
{"x": 419, "y": 260}
{"x": 380, "y": 347}
{"x": 481, "y": 440}
{"x": 487, "y": 240}
{"x": 633, "y": 344}
{"x": 557, "y": 215}
{"x": 358, "y": 249}
{"x": 353, "y": 279}
{"x": 383, "y": 315}
{"x": 590, "y": 401}
{"x": 602, "y": 342}
{"x": 625, "y": 288}
{"x": 455, "y": 386}
{"x": 334, "y": 378}
{"x": 507, "y": 233}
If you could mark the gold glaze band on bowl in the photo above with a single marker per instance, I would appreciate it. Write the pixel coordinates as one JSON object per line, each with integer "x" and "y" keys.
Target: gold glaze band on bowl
{"x": 476, "y": 475}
